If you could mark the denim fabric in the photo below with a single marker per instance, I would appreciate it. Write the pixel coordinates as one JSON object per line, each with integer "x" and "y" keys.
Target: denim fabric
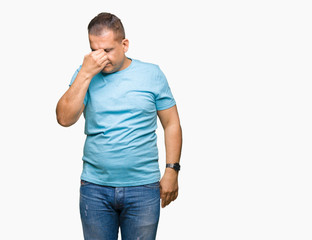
{"x": 134, "y": 209}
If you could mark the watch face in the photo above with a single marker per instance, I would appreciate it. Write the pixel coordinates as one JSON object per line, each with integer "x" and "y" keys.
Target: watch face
{"x": 176, "y": 167}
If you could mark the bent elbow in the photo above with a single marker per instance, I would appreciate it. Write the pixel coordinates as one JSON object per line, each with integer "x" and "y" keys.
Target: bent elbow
{"x": 62, "y": 122}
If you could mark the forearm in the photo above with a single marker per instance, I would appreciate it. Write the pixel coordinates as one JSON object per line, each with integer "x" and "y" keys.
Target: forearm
{"x": 173, "y": 143}
{"x": 70, "y": 106}
{"x": 169, "y": 182}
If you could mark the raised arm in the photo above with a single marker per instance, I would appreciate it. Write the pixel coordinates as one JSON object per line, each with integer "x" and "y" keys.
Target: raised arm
{"x": 169, "y": 119}
{"x": 70, "y": 106}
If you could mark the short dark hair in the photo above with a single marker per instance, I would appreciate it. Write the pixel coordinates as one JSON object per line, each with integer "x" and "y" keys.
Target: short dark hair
{"x": 106, "y": 21}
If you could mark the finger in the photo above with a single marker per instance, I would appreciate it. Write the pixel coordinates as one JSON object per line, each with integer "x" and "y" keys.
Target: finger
{"x": 175, "y": 195}
{"x": 102, "y": 54}
{"x": 103, "y": 58}
{"x": 171, "y": 197}
{"x": 101, "y": 62}
{"x": 168, "y": 201}
{"x": 97, "y": 54}
{"x": 105, "y": 63}
{"x": 99, "y": 51}
{"x": 165, "y": 201}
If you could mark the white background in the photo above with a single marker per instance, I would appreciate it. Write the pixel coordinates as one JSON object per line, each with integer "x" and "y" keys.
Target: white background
{"x": 240, "y": 72}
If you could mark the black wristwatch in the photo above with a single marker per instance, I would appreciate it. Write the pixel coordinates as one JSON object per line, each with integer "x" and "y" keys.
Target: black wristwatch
{"x": 175, "y": 166}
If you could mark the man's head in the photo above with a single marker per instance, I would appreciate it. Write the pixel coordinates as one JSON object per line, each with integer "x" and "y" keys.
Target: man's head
{"x": 106, "y": 32}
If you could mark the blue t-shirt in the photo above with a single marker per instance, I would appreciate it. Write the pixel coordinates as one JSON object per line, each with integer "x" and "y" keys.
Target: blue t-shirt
{"x": 120, "y": 122}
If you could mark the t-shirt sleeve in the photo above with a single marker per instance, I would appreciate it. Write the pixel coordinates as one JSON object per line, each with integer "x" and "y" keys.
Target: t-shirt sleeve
{"x": 71, "y": 82}
{"x": 164, "y": 97}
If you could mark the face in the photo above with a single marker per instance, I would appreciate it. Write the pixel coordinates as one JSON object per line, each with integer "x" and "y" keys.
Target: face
{"x": 115, "y": 50}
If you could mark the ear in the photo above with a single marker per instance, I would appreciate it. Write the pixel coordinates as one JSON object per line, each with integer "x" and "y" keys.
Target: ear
{"x": 125, "y": 45}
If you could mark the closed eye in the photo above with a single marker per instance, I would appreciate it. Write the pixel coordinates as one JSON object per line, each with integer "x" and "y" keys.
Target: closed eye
{"x": 106, "y": 50}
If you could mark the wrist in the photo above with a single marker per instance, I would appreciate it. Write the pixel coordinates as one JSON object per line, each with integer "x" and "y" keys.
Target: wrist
{"x": 171, "y": 174}
{"x": 87, "y": 76}
{"x": 172, "y": 169}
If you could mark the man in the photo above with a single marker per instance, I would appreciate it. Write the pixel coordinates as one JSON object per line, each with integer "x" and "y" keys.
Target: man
{"x": 121, "y": 98}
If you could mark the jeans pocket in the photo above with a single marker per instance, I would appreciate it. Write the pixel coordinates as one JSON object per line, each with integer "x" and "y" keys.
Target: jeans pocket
{"x": 154, "y": 185}
{"x": 84, "y": 183}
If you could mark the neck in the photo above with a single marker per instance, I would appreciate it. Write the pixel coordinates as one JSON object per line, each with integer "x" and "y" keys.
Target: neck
{"x": 125, "y": 64}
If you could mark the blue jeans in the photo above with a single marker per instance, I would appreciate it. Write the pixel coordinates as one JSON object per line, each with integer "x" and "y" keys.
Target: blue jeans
{"x": 134, "y": 209}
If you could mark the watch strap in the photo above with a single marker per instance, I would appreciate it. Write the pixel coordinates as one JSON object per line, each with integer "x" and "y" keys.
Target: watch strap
{"x": 175, "y": 166}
